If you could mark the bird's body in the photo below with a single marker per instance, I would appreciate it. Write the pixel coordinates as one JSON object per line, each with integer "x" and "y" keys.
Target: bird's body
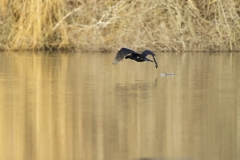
{"x": 130, "y": 54}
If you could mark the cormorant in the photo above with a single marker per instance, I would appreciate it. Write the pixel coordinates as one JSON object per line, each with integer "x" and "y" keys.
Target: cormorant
{"x": 128, "y": 53}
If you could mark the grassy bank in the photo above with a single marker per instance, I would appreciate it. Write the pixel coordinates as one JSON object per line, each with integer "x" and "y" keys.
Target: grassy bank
{"x": 90, "y": 25}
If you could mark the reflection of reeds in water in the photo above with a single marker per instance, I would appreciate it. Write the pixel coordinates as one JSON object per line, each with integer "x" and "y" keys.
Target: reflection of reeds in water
{"x": 80, "y": 106}
{"x": 30, "y": 125}
{"x": 106, "y": 25}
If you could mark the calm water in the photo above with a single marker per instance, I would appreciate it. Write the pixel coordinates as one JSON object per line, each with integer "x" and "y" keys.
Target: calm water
{"x": 78, "y": 106}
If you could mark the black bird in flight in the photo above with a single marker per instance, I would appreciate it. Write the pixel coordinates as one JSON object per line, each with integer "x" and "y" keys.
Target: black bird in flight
{"x": 128, "y": 53}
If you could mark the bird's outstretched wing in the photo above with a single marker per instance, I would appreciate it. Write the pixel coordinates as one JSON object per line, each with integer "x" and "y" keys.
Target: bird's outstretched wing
{"x": 147, "y": 52}
{"x": 122, "y": 53}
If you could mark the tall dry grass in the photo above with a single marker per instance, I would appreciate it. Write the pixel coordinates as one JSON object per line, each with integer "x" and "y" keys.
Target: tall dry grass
{"x": 91, "y": 25}
{"x": 33, "y": 24}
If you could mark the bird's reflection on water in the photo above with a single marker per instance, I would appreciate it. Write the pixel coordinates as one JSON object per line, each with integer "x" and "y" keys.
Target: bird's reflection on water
{"x": 136, "y": 86}
{"x": 133, "y": 88}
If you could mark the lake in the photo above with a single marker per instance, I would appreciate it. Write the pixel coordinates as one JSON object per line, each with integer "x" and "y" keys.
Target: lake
{"x": 78, "y": 106}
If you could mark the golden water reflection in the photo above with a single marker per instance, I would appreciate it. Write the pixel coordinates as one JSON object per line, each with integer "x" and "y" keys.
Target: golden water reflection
{"x": 79, "y": 106}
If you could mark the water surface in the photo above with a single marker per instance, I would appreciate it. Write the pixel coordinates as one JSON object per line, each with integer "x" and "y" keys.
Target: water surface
{"x": 78, "y": 106}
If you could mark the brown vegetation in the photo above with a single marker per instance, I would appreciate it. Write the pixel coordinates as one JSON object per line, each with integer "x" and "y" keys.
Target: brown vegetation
{"x": 90, "y": 25}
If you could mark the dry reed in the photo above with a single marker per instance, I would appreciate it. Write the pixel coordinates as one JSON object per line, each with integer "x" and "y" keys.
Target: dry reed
{"x": 90, "y": 25}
